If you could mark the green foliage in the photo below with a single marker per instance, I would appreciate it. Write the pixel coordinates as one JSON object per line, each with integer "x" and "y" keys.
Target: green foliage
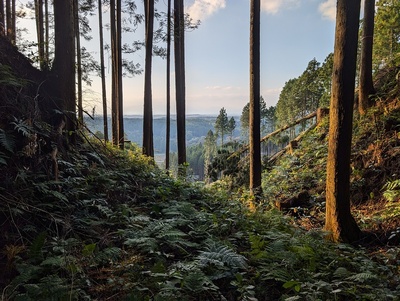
{"x": 306, "y": 93}
{"x": 386, "y": 51}
{"x": 391, "y": 190}
{"x": 267, "y": 116}
{"x": 115, "y": 226}
{"x": 303, "y": 170}
{"x": 8, "y": 78}
{"x": 7, "y": 141}
{"x": 222, "y": 124}
{"x": 228, "y": 166}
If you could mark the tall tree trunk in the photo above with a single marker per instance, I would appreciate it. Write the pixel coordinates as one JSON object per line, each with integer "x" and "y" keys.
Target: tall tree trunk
{"x": 2, "y": 18}
{"x": 254, "y": 113}
{"x": 179, "y": 48}
{"x": 47, "y": 29}
{"x": 78, "y": 61}
{"x": 339, "y": 221}
{"x": 121, "y": 138}
{"x": 366, "y": 86}
{"x": 148, "y": 146}
{"x": 168, "y": 115}
{"x": 8, "y": 19}
{"x": 64, "y": 61}
{"x": 114, "y": 100}
{"x": 102, "y": 73}
{"x": 13, "y": 23}
{"x": 40, "y": 32}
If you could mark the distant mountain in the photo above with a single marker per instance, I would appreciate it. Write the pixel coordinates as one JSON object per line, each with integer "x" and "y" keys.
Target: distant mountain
{"x": 197, "y": 127}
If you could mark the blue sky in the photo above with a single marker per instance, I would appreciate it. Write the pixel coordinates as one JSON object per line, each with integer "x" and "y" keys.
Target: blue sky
{"x": 217, "y": 58}
{"x": 293, "y": 32}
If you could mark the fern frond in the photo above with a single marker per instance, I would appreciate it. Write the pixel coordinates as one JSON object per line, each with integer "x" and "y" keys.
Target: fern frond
{"x": 391, "y": 190}
{"x": 221, "y": 255}
{"x": 146, "y": 244}
{"x": 364, "y": 277}
{"x": 23, "y": 127}
{"x": 269, "y": 272}
{"x": 7, "y": 141}
{"x": 35, "y": 250}
{"x": 197, "y": 282}
{"x": 3, "y": 158}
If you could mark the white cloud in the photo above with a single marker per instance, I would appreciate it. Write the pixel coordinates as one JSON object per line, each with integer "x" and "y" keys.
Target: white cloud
{"x": 328, "y": 9}
{"x": 201, "y": 9}
{"x": 220, "y": 88}
{"x": 273, "y": 6}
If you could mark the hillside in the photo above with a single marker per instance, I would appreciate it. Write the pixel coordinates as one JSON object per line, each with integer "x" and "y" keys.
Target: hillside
{"x": 375, "y": 168}
{"x": 114, "y": 226}
{"x": 96, "y": 223}
{"x": 197, "y": 127}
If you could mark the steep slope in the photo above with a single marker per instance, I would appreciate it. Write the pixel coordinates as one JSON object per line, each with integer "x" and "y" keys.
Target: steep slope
{"x": 297, "y": 181}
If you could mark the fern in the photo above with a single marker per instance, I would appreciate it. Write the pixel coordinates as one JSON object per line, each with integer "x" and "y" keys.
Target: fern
{"x": 197, "y": 282}
{"x": 146, "y": 244}
{"x": 7, "y": 141}
{"x": 392, "y": 190}
{"x": 35, "y": 250}
{"x": 22, "y": 126}
{"x": 3, "y": 158}
{"x": 221, "y": 255}
{"x": 108, "y": 255}
{"x": 364, "y": 277}
{"x": 8, "y": 78}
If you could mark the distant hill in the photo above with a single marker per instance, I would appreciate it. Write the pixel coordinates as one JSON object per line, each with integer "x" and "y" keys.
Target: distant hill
{"x": 197, "y": 127}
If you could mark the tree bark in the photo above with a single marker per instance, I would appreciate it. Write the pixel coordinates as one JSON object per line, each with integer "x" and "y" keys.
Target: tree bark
{"x": 121, "y": 137}
{"x": 179, "y": 42}
{"x": 2, "y": 19}
{"x": 339, "y": 222}
{"x": 254, "y": 112}
{"x": 78, "y": 60}
{"x": 8, "y": 19}
{"x": 366, "y": 86}
{"x": 102, "y": 73}
{"x": 13, "y": 23}
{"x": 148, "y": 146}
{"x": 40, "y": 32}
{"x": 47, "y": 29}
{"x": 168, "y": 113}
{"x": 64, "y": 62}
{"x": 114, "y": 100}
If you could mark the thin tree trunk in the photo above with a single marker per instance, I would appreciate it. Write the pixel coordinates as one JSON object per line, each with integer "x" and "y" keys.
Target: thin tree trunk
{"x": 102, "y": 73}
{"x": 8, "y": 19}
{"x": 168, "y": 117}
{"x": 366, "y": 86}
{"x": 13, "y": 23}
{"x": 121, "y": 138}
{"x": 40, "y": 32}
{"x": 114, "y": 100}
{"x": 148, "y": 146}
{"x": 254, "y": 113}
{"x": 339, "y": 221}
{"x": 2, "y": 18}
{"x": 47, "y": 28}
{"x": 78, "y": 61}
{"x": 179, "y": 42}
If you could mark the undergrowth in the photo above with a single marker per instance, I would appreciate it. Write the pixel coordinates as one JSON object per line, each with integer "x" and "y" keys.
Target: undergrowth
{"x": 115, "y": 227}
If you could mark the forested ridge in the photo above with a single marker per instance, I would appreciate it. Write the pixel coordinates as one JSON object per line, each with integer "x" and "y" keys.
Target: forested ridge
{"x": 83, "y": 218}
